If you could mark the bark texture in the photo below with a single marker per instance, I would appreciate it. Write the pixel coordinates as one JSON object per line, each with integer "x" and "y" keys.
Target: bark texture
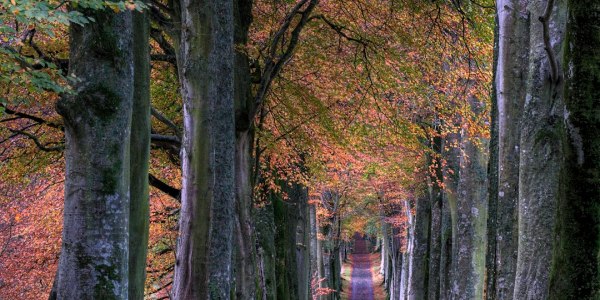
{"x": 94, "y": 257}
{"x": 540, "y": 157}
{"x": 419, "y": 257}
{"x": 575, "y": 267}
{"x": 470, "y": 243}
{"x": 246, "y": 262}
{"x": 205, "y": 64}
{"x": 139, "y": 209}
{"x": 510, "y": 89}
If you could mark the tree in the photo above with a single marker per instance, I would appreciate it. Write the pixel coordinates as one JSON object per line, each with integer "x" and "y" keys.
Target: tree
{"x": 205, "y": 64}
{"x": 94, "y": 255}
{"x": 139, "y": 157}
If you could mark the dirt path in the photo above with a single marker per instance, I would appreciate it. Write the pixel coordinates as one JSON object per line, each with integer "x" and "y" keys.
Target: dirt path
{"x": 362, "y": 279}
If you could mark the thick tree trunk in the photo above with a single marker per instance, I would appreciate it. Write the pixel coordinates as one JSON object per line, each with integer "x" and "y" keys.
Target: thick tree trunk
{"x": 470, "y": 238}
{"x": 510, "y": 90}
{"x": 139, "y": 209}
{"x": 206, "y": 229}
{"x": 575, "y": 272}
{"x": 451, "y": 155}
{"x": 541, "y": 157}
{"x": 94, "y": 259}
{"x": 245, "y": 264}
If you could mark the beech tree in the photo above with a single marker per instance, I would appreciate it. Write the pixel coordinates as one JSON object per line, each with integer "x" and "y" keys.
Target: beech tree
{"x": 206, "y": 59}
{"x": 95, "y": 244}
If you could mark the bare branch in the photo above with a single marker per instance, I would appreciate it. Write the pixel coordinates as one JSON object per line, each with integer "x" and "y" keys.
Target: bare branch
{"x": 43, "y": 147}
{"x": 162, "y": 118}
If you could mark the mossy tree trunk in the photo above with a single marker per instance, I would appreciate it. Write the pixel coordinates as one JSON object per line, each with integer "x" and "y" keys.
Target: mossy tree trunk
{"x": 469, "y": 243}
{"x": 541, "y": 153}
{"x": 203, "y": 267}
{"x": 575, "y": 272}
{"x": 139, "y": 213}
{"x": 94, "y": 257}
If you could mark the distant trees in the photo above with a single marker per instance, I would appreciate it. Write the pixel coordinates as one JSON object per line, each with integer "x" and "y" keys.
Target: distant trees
{"x": 303, "y": 122}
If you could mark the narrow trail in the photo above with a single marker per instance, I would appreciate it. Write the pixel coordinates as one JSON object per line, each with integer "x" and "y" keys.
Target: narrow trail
{"x": 362, "y": 279}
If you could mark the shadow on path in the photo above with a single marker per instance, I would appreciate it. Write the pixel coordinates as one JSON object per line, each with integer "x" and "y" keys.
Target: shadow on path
{"x": 362, "y": 279}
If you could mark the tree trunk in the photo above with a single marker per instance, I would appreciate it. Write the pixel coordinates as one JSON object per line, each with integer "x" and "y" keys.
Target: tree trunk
{"x": 436, "y": 198}
{"x": 94, "y": 258}
{"x": 445, "y": 250}
{"x": 510, "y": 90}
{"x": 470, "y": 238}
{"x": 419, "y": 268}
{"x": 265, "y": 234}
{"x": 314, "y": 249}
{"x": 541, "y": 158}
{"x": 206, "y": 60}
{"x": 139, "y": 209}
{"x": 451, "y": 154}
{"x": 407, "y": 254}
{"x": 245, "y": 264}
{"x": 575, "y": 268}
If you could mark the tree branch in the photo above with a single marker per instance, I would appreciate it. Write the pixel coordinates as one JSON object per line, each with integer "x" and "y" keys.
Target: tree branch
{"x": 545, "y": 19}
{"x": 162, "y": 118}
{"x": 164, "y": 187}
{"x": 43, "y": 147}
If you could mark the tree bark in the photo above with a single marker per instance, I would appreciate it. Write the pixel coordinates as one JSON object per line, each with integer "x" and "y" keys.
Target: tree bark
{"x": 245, "y": 264}
{"x": 510, "y": 90}
{"x": 436, "y": 198}
{"x": 94, "y": 257}
{"x": 541, "y": 157}
{"x": 575, "y": 272}
{"x": 139, "y": 209}
{"x": 419, "y": 268}
{"x": 470, "y": 238}
{"x": 205, "y": 64}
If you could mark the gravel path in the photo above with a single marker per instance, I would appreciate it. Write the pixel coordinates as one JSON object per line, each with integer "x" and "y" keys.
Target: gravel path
{"x": 362, "y": 280}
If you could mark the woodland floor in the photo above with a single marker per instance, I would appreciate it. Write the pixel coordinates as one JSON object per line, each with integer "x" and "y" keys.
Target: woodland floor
{"x": 360, "y": 275}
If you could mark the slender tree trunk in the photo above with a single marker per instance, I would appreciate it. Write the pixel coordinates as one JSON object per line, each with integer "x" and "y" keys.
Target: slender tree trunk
{"x": 510, "y": 93}
{"x": 436, "y": 198}
{"x": 407, "y": 254}
{"x": 94, "y": 257}
{"x": 303, "y": 258}
{"x": 206, "y": 60}
{"x": 314, "y": 257}
{"x": 575, "y": 272}
{"x": 265, "y": 233}
{"x": 419, "y": 268}
{"x": 445, "y": 250}
{"x": 139, "y": 209}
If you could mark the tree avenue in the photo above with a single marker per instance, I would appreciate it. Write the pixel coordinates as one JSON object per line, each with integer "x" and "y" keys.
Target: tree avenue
{"x": 305, "y": 149}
